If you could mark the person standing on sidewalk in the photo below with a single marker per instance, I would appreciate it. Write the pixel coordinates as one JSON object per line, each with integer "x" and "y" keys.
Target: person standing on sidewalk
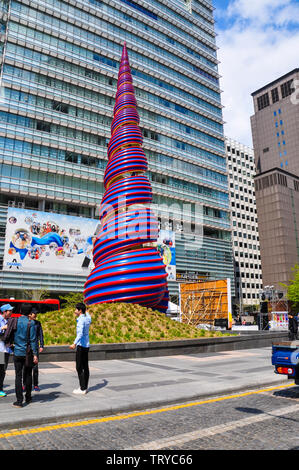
{"x": 293, "y": 326}
{"x": 82, "y": 344}
{"x": 40, "y": 347}
{"x": 4, "y": 316}
{"x": 25, "y": 333}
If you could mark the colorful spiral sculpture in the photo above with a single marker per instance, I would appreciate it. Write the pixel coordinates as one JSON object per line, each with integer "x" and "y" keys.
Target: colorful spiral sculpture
{"x": 127, "y": 265}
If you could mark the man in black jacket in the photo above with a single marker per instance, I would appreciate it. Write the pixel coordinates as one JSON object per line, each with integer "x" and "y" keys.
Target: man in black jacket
{"x": 293, "y": 326}
{"x": 24, "y": 334}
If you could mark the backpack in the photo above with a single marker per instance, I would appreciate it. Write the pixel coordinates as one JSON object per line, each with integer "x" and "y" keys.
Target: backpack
{"x": 9, "y": 334}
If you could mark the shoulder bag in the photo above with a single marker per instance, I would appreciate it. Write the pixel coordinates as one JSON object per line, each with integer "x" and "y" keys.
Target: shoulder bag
{"x": 29, "y": 352}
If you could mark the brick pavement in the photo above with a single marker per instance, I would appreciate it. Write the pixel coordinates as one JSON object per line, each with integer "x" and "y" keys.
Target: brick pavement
{"x": 133, "y": 384}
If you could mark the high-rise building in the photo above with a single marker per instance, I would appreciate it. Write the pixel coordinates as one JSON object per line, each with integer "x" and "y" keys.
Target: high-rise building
{"x": 59, "y": 70}
{"x": 275, "y": 130}
{"x": 245, "y": 233}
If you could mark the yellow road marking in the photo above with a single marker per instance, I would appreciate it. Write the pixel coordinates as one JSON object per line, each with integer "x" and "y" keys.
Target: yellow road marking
{"x": 86, "y": 422}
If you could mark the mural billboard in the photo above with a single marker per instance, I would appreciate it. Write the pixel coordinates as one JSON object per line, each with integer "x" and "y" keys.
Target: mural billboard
{"x": 48, "y": 243}
{"x": 166, "y": 247}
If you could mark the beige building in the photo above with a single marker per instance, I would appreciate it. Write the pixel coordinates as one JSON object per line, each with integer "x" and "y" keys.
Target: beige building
{"x": 244, "y": 223}
{"x": 275, "y": 131}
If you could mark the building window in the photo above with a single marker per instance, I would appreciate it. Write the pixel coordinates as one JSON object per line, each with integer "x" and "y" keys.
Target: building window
{"x": 287, "y": 88}
{"x": 282, "y": 180}
{"x": 43, "y": 126}
{"x": 275, "y": 96}
{"x": 147, "y": 12}
{"x": 263, "y": 101}
{"x": 57, "y": 106}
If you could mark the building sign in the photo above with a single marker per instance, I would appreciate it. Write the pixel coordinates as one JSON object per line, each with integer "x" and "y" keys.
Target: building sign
{"x": 191, "y": 276}
{"x": 48, "y": 243}
{"x": 279, "y": 321}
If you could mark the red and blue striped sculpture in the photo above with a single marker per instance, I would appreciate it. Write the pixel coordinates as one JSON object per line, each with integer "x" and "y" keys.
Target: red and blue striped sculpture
{"x": 127, "y": 265}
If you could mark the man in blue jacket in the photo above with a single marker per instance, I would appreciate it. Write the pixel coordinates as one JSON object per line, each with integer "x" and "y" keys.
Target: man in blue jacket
{"x": 25, "y": 332}
{"x": 82, "y": 344}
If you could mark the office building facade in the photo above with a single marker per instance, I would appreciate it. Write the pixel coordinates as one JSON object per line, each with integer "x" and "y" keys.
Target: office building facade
{"x": 245, "y": 233}
{"x": 59, "y": 70}
{"x": 275, "y": 131}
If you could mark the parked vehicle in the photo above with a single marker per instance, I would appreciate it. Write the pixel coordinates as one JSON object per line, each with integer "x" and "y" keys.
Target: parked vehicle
{"x": 41, "y": 306}
{"x": 285, "y": 359}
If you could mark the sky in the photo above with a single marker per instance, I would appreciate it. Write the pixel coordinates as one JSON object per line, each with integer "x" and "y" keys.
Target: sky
{"x": 258, "y": 42}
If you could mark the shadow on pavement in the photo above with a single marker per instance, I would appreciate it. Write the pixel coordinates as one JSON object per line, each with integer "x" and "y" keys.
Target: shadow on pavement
{"x": 47, "y": 397}
{"x": 255, "y": 411}
{"x": 292, "y": 392}
{"x": 98, "y": 386}
{"x": 51, "y": 385}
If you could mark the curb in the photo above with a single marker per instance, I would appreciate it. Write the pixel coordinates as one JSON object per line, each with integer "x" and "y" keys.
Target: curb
{"x": 112, "y": 351}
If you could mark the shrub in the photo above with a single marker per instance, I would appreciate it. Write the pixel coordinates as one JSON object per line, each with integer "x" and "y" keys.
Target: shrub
{"x": 116, "y": 323}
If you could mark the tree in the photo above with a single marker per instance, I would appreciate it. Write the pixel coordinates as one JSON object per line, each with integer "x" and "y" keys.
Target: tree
{"x": 71, "y": 299}
{"x": 36, "y": 294}
{"x": 293, "y": 287}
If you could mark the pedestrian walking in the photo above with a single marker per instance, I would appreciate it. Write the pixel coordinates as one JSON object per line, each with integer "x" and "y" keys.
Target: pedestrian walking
{"x": 4, "y": 349}
{"x": 293, "y": 326}
{"x": 82, "y": 344}
{"x": 40, "y": 346}
{"x": 25, "y": 345}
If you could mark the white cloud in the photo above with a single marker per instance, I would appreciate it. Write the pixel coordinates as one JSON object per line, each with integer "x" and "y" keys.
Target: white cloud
{"x": 253, "y": 53}
{"x": 289, "y": 15}
{"x": 261, "y": 11}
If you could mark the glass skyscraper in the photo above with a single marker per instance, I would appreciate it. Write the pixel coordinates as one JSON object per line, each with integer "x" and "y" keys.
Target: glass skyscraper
{"x": 59, "y": 69}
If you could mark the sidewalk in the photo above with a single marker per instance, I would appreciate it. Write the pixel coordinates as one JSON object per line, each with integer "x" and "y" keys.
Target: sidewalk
{"x": 120, "y": 386}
